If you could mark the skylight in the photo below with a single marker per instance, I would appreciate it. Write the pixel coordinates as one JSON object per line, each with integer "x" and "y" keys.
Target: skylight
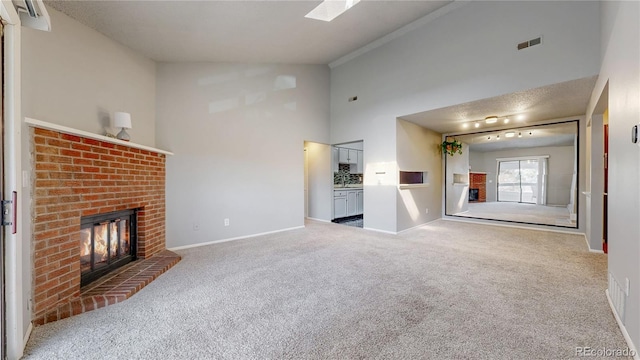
{"x": 330, "y": 9}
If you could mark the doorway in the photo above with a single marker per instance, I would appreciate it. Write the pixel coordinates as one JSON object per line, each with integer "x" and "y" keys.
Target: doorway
{"x": 318, "y": 181}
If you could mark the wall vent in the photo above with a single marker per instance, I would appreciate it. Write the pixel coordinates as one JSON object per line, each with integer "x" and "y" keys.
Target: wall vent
{"x": 529, "y": 43}
{"x": 618, "y": 297}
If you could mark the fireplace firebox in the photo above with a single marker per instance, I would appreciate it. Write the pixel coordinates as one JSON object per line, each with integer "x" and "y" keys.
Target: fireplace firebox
{"x": 107, "y": 241}
{"x": 473, "y": 194}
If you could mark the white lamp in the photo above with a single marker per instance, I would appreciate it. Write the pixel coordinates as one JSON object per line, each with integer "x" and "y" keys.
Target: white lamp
{"x": 122, "y": 120}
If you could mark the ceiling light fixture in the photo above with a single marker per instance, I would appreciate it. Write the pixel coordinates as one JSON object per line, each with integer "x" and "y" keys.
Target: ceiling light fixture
{"x": 509, "y": 134}
{"x": 498, "y": 137}
{"x": 520, "y": 134}
{"x": 520, "y": 117}
{"x": 477, "y": 125}
{"x": 491, "y": 119}
{"x": 465, "y": 125}
{"x": 530, "y": 133}
{"x": 506, "y": 121}
{"x": 330, "y": 9}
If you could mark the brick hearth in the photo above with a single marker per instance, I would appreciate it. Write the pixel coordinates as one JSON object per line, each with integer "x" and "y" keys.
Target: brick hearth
{"x": 77, "y": 176}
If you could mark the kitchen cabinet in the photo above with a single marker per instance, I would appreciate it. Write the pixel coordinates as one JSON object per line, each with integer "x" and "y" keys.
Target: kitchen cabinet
{"x": 343, "y": 155}
{"x": 339, "y": 204}
{"x": 348, "y": 203}
{"x": 360, "y": 164}
{"x": 352, "y": 204}
{"x": 359, "y": 202}
{"x": 353, "y": 157}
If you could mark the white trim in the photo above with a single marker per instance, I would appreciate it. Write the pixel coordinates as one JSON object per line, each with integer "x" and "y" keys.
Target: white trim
{"x": 27, "y": 335}
{"x": 396, "y": 34}
{"x": 412, "y": 186}
{"x": 320, "y": 220}
{"x": 67, "y": 130}
{"x": 623, "y": 329}
{"x": 589, "y": 247}
{"x": 233, "y": 239}
{"x": 417, "y": 226}
{"x": 381, "y": 231}
{"x": 520, "y": 226}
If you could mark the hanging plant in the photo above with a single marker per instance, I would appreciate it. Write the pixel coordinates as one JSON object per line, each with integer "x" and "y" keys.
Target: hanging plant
{"x": 451, "y": 146}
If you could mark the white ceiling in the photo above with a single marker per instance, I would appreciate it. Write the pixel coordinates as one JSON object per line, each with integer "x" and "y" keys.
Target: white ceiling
{"x": 559, "y": 134}
{"x": 555, "y": 101}
{"x": 266, "y": 31}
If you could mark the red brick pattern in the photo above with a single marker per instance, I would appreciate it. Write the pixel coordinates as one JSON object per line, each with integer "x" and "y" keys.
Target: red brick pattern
{"x": 75, "y": 177}
{"x": 114, "y": 287}
{"x": 479, "y": 181}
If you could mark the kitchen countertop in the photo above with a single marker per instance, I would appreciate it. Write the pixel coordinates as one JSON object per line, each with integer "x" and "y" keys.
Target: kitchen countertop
{"x": 347, "y": 187}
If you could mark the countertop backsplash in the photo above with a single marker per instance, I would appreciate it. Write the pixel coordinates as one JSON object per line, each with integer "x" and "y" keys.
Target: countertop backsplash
{"x": 349, "y": 179}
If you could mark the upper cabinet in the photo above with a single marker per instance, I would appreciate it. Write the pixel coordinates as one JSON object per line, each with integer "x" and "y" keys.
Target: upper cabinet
{"x": 353, "y": 157}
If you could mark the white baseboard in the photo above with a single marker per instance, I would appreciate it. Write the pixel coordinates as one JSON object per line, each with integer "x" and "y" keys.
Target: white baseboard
{"x": 381, "y": 231}
{"x": 623, "y": 329}
{"x": 417, "y": 226}
{"x": 233, "y": 239}
{"x": 315, "y": 219}
{"x": 28, "y": 333}
{"x": 589, "y": 247}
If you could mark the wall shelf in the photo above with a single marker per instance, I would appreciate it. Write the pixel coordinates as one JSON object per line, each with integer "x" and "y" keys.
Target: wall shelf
{"x": 412, "y": 186}
{"x": 67, "y": 130}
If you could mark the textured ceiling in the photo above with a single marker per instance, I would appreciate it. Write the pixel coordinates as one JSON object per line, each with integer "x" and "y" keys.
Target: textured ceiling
{"x": 555, "y": 101}
{"x": 561, "y": 134}
{"x": 267, "y": 31}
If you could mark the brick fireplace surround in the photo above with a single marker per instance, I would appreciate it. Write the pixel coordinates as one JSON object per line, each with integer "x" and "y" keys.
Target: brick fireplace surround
{"x": 76, "y": 176}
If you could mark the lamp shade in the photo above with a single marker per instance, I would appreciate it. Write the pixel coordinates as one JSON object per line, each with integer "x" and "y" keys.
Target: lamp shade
{"x": 122, "y": 120}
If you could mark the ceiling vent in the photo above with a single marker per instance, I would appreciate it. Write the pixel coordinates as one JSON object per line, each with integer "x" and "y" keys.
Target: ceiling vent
{"x": 33, "y": 14}
{"x": 532, "y": 42}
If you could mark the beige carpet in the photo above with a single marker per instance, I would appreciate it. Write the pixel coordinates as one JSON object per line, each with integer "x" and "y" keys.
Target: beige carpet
{"x": 447, "y": 290}
{"x": 520, "y": 212}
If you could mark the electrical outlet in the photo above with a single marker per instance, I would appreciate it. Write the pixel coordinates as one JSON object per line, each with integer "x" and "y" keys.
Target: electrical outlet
{"x": 226, "y": 222}
{"x": 626, "y": 286}
{"x": 196, "y": 226}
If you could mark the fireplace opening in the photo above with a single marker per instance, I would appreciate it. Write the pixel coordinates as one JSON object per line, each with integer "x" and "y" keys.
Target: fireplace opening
{"x": 107, "y": 242}
{"x": 473, "y": 194}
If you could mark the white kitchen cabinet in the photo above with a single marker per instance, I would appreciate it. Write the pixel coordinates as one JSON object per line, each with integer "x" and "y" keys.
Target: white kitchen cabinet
{"x": 353, "y": 156}
{"x": 339, "y": 204}
{"x": 359, "y": 202}
{"x": 335, "y": 159}
{"x": 352, "y": 203}
{"x": 360, "y": 164}
{"x": 344, "y": 155}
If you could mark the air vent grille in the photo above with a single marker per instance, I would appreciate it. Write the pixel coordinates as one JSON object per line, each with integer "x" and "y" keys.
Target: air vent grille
{"x": 529, "y": 43}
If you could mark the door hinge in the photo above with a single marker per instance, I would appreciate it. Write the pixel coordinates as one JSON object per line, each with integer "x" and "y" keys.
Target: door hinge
{"x": 8, "y": 212}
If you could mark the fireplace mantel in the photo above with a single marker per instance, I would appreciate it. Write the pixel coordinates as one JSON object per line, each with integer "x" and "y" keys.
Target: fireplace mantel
{"x": 71, "y": 131}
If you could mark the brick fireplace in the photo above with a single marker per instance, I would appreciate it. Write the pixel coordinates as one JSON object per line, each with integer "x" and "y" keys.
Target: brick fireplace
{"x": 75, "y": 177}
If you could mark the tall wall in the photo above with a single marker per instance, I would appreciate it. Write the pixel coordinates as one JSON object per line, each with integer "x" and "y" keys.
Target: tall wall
{"x": 418, "y": 149}
{"x": 620, "y": 23}
{"x": 76, "y": 77}
{"x": 238, "y": 132}
{"x": 465, "y": 55}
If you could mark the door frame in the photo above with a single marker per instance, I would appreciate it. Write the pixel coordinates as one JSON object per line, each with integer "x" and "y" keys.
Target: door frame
{"x": 15, "y": 306}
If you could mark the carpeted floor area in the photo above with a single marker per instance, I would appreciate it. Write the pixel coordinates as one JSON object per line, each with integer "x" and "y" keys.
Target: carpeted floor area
{"x": 520, "y": 212}
{"x": 447, "y": 290}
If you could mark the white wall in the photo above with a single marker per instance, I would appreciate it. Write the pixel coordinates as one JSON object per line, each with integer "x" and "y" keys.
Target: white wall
{"x": 76, "y": 77}
{"x": 560, "y": 169}
{"x": 237, "y": 131}
{"x": 466, "y": 55}
{"x": 457, "y": 194}
{"x": 418, "y": 149}
{"x": 320, "y": 181}
{"x": 621, "y": 69}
